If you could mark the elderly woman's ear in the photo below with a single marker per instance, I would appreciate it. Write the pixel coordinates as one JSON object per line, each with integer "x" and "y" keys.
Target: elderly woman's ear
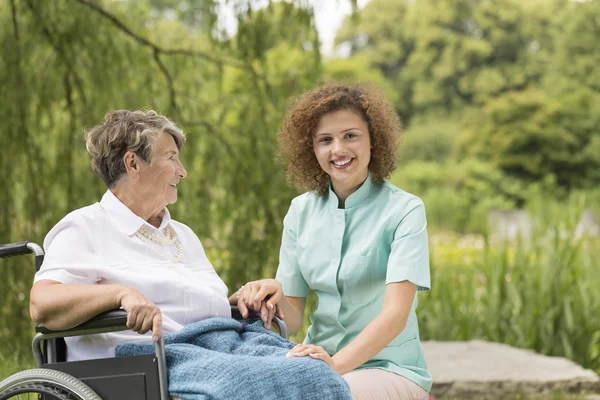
{"x": 132, "y": 165}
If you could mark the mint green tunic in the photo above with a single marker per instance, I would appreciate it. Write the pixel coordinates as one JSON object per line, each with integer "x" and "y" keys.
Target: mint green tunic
{"x": 347, "y": 256}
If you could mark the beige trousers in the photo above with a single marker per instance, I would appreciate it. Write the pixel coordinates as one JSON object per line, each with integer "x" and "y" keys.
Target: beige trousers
{"x": 377, "y": 384}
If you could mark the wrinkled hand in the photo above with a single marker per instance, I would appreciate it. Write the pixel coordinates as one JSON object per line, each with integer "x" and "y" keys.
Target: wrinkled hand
{"x": 317, "y": 352}
{"x": 142, "y": 314}
{"x": 263, "y": 297}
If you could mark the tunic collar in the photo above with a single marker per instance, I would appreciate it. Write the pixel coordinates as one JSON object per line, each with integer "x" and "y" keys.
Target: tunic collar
{"x": 360, "y": 195}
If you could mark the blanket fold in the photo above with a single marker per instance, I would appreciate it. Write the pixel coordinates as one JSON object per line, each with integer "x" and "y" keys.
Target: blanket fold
{"x": 221, "y": 358}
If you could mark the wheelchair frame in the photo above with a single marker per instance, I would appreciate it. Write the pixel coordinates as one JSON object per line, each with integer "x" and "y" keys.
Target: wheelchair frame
{"x": 134, "y": 378}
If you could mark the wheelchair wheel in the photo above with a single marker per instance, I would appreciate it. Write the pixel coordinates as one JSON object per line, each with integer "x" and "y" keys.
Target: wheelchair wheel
{"x": 45, "y": 384}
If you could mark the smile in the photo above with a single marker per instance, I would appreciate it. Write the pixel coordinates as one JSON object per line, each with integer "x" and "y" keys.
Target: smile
{"x": 173, "y": 185}
{"x": 342, "y": 163}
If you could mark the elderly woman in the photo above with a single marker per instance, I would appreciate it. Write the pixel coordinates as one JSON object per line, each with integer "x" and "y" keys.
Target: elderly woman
{"x": 356, "y": 240}
{"x": 126, "y": 251}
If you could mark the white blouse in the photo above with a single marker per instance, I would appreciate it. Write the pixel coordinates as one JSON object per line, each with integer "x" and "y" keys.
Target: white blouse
{"x": 98, "y": 245}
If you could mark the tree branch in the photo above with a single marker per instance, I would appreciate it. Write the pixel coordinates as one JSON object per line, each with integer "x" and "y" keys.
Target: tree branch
{"x": 22, "y": 112}
{"x": 70, "y": 142}
{"x": 156, "y": 48}
{"x": 170, "y": 84}
{"x": 60, "y": 51}
{"x": 214, "y": 134}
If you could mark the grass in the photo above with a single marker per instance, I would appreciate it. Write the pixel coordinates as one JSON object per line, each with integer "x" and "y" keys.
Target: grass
{"x": 539, "y": 294}
{"x": 12, "y": 364}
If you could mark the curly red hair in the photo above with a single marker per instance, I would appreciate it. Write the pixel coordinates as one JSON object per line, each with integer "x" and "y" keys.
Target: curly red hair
{"x": 299, "y": 125}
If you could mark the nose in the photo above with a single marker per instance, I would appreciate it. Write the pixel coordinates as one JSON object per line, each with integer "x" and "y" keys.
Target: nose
{"x": 337, "y": 147}
{"x": 181, "y": 171}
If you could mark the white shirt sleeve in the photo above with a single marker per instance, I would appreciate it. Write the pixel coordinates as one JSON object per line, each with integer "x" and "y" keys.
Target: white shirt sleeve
{"x": 70, "y": 254}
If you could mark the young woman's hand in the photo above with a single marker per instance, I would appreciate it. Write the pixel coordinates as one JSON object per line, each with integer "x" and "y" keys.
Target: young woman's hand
{"x": 317, "y": 352}
{"x": 263, "y": 297}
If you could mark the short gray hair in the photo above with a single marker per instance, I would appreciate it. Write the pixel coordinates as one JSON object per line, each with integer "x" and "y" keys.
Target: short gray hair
{"x": 124, "y": 131}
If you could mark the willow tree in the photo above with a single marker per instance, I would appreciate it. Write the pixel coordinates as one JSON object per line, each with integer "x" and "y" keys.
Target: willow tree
{"x": 64, "y": 63}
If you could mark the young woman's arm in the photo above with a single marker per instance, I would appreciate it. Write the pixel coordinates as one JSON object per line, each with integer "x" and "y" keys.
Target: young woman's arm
{"x": 390, "y": 322}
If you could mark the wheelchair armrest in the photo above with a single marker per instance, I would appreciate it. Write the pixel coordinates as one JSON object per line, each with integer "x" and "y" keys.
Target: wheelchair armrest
{"x": 116, "y": 320}
{"x": 110, "y": 320}
{"x": 237, "y": 314}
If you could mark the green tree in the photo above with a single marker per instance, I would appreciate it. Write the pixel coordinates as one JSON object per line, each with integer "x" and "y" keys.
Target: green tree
{"x": 575, "y": 56}
{"x": 377, "y": 39}
{"x": 443, "y": 55}
{"x": 533, "y": 136}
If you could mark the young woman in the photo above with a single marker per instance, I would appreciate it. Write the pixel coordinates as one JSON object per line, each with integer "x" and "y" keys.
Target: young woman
{"x": 357, "y": 241}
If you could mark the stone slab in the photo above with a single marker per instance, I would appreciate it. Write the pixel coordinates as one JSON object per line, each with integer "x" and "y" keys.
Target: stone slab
{"x": 487, "y": 370}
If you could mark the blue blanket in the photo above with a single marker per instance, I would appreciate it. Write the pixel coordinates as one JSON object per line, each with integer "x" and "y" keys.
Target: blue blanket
{"x": 221, "y": 358}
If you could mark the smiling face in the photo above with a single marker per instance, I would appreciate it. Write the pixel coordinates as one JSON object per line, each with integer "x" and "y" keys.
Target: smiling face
{"x": 159, "y": 178}
{"x": 342, "y": 146}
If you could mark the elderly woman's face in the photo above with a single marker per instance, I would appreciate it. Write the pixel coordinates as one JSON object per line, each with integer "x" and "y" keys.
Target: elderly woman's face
{"x": 343, "y": 148}
{"x": 163, "y": 173}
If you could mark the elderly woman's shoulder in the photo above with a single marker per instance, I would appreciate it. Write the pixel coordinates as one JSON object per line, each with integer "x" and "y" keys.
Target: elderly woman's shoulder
{"x": 92, "y": 214}
{"x": 79, "y": 223}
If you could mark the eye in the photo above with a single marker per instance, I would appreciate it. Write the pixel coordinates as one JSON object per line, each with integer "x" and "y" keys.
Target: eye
{"x": 324, "y": 139}
{"x": 351, "y": 135}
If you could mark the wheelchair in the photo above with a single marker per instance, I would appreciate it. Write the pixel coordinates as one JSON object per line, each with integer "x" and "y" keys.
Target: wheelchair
{"x": 131, "y": 378}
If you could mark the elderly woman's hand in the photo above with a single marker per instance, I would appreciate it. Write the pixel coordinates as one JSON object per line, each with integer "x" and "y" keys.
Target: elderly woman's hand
{"x": 142, "y": 314}
{"x": 261, "y": 296}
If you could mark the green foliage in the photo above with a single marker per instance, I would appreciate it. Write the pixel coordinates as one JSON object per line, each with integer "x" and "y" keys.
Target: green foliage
{"x": 539, "y": 294}
{"x": 261, "y": 30}
{"x": 377, "y": 35}
{"x": 529, "y": 135}
{"x": 575, "y": 54}
{"x": 443, "y": 55}
{"x": 458, "y": 195}
{"x": 357, "y": 69}
{"x": 13, "y": 363}
{"x": 429, "y": 141}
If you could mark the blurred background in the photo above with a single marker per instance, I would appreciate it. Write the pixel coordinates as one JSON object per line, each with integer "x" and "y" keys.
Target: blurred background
{"x": 500, "y": 100}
